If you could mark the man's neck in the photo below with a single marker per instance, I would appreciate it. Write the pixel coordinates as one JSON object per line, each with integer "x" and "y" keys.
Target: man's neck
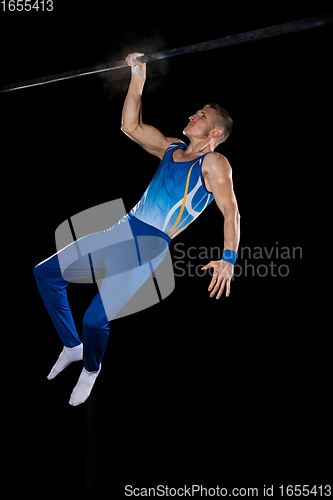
{"x": 200, "y": 146}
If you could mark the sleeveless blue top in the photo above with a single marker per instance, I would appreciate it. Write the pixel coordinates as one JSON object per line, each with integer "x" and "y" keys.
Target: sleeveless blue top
{"x": 176, "y": 195}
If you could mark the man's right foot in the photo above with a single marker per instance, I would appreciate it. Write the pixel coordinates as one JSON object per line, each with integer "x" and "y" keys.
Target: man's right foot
{"x": 67, "y": 356}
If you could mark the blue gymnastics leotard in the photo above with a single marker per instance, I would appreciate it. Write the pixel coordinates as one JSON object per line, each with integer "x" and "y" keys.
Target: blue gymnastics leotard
{"x": 176, "y": 195}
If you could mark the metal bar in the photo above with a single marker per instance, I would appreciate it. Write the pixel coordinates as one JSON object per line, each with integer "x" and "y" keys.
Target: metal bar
{"x": 250, "y": 36}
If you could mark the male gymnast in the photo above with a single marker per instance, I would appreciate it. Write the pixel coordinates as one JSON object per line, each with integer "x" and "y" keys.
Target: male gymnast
{"x": 187, "y": 180}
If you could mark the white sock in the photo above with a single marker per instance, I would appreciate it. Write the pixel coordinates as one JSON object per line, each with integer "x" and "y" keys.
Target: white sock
{"x": 83, "y": 387}
{"x": 67, "y": 356}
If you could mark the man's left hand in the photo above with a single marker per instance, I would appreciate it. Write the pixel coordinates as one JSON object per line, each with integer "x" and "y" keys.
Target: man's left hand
{"x": 223, "y": 272}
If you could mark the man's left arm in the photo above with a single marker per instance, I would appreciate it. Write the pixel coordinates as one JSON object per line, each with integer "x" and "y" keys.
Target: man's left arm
{"x": 218, "y": 174}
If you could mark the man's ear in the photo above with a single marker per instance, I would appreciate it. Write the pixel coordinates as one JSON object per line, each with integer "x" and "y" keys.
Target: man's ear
{"x": 216, "y": 132}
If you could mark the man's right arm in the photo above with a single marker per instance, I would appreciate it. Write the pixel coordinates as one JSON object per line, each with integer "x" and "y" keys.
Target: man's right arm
{"x": 148, "y": 137}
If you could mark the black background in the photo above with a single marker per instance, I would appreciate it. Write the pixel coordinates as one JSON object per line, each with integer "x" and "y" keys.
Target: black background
{"x": 192, "y": 390}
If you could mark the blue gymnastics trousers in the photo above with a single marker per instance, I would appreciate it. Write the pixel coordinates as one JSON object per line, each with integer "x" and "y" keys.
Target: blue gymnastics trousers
{"x": 122, "y": 258}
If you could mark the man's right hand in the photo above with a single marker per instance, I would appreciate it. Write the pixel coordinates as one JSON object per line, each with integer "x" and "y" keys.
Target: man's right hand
{"x": 148, "y": 137}
{"x": 138, "y": 69}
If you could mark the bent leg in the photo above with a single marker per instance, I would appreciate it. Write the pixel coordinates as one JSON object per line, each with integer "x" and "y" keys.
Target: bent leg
{"x": 115, "y": 292}
{"x": 54, "y": 274}
{"x": 95, "y": 334}
{"x": 52, "y": 287}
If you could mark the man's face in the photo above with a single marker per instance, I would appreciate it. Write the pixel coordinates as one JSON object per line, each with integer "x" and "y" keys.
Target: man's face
{"x": 201, "y": 123}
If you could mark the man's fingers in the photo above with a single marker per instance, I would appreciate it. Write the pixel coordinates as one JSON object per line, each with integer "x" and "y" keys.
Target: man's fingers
{"x": 204, "y": 268}
{"x": 217, "y": 286}
{"x": 219, "y": 295}
{"x": 132, "y": 61}
{"x": 226, "y": 281}
{"x": 137, "y": 63}
{"x": 220, "y": 280}
{"x": 212, "y": 283}
{"x": 228, "y": 287}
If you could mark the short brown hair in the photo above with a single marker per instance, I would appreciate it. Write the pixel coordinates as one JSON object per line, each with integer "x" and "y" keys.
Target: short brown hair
{"x": 224, "y": 121}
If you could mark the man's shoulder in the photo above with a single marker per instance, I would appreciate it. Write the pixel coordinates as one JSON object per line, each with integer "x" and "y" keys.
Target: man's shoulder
{"x": 171, "y": 140}
{"x": 216, "y": 162}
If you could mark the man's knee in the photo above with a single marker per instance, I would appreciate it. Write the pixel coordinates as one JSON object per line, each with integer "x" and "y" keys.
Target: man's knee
{"x": 95, "y": 322}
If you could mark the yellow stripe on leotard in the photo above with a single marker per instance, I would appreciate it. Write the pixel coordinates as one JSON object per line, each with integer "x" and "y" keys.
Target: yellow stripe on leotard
{"x": 180, "y": 229}
{"x": 184, "y": 200}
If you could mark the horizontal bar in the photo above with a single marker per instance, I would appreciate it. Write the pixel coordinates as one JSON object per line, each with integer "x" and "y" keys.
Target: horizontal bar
{"x": 250, "y": 36}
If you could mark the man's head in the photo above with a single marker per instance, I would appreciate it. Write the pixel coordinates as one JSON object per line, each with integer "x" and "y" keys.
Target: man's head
{"x": 210, "y": 121}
